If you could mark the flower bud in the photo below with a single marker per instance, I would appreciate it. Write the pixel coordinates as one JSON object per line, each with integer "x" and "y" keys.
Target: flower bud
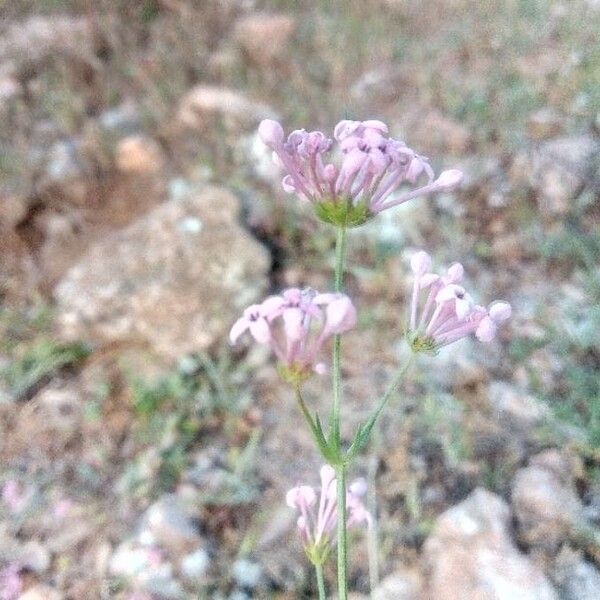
{"x": 500, "y": 311}
{"x": 420, "y": 263}
{"x": 271, "y": 133}
{"x": 448, "y": 180}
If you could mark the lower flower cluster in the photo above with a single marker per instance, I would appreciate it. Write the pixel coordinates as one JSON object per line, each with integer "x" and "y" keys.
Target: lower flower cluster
{"x": 318, "y": 518}
{"x": 295, "y": 325}
{"x": 443, "y": 312}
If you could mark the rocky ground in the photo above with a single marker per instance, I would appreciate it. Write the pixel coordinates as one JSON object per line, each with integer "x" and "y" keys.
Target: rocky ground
{"x": 142, "y": 457}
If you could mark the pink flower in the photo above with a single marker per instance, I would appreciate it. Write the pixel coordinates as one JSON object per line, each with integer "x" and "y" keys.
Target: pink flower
{"x": 318, "y": 518}
{"x": 11, "y": 583}
{"x": 13, "y": 495}
{"x": 295, "y": 325}
{"x": 443, "y": 312}
{"x": 373, "y": 166}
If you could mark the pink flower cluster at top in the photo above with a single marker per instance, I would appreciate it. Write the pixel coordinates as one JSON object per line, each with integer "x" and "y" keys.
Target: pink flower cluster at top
{"x": 442, "y": 311}
{"x": 317, "y": 520}
{"x": 373, "y": 166}
{"x": 285, "y": 324}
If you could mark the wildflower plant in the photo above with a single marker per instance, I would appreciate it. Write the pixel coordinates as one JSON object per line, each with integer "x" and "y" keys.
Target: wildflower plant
{"x": 349, "y": 180}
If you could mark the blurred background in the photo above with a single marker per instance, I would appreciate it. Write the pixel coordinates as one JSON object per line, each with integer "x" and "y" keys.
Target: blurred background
{"x": 143, "y": 458}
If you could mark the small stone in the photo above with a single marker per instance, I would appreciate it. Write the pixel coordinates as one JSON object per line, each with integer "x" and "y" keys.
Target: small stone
{"x": 171, "y": 526}
{"x": 159, "y": 582}
{"x": 246, "y": 573}
{"x": 515, "y": 409}
{"x": 544, "y": 124}
{"x": 546, "y": 507}
{"x": 67, "y": 173}
{"x": 139, "y": 154}
{"x": 195, "y": 565}
{"x": 577, "y": 579}
{"x": 41, "y": 592}
{"x": 203, "y": 104}
{"x": 121, "y": 120}
{"x": 9, "y": 88}
{"x": 13, "y": 209}
{"x": 129, "y": 560}
{"x": 403, "y": 585}
{"x": 559, "y": 169}
{"x": 264, "y": 37}
{"x": 470, "y": 555}
{"x": 238, "y": 595}
{"x": 63, "y": 243}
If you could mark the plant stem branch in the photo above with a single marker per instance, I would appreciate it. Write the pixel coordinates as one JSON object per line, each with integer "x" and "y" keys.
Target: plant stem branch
{"x": 342, "y": 543}
{"x": 340, "y": 254}
{"x": 342, "y": 560}
{"x": 320, "y": 582}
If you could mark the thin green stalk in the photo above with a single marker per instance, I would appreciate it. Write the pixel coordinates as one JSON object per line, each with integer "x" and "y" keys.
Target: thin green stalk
{"x": 342, "y": 543}
{"x": 340, "y": 254}
{"x": 392, "y": 386}
{"x": 320, "y": 582}
{"x": 342, "y": 548}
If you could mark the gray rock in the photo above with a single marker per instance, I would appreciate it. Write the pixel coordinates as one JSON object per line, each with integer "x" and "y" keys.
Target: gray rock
{"x": 145, "y": 567}
{"x": 403, "y": 585}
{"x": 264, "y": 37}
{"x": 470, "y": 555}
{"x": 41, "y": 592}
{"x": 161, "y": 584}
{"x": 202, "y": 104}
{"x": 66, "y": 173}
{"x": 246, "y": 573}
{"x": 28, "y": 42}
{"x": 545, "y": 503}
{"x": 171, "y": 527}
{"x": 121, "y": 120}
{"x": 560, "y": 168}
{"x": 577, "y": 579}
{"x": 545, "y": 123}
{"x": 177, "y": 278}
{"x": 195, "y": 565}
{"x": 515, "y": 409}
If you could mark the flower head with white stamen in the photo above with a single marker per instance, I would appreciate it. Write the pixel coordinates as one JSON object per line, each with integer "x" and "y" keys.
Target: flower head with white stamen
{"x": 317, "y": 521}
{"x": 364, "y": 181}
{"x": 442, "y": 312}
{"x": 295, "y": 325}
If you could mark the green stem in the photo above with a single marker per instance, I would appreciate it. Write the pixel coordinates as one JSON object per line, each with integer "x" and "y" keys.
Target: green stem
{"x": 320, "y": 582}
{"x": 342, "y": 543}
{"x": 392, "y": 386}
{"x": 342, "y": 548}
{"x": 304, "y": 409}
{"x": 340, "y": 254}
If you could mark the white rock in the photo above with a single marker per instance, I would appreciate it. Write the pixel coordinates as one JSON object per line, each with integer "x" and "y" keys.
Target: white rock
{"x": 470, "y": 555}
{"x": 195, "y": 565}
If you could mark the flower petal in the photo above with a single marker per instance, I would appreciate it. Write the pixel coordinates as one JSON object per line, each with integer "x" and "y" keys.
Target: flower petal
{"x": 260, "y": 331}
{"x": 239, "y": 327}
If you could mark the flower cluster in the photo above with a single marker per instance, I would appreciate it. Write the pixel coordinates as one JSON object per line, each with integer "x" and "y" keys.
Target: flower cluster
{"x": 285, "y": 324}
{"x": 372, "y": 167}
{"x": 442, "y": 311}
{"x": 317, "y": 520}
